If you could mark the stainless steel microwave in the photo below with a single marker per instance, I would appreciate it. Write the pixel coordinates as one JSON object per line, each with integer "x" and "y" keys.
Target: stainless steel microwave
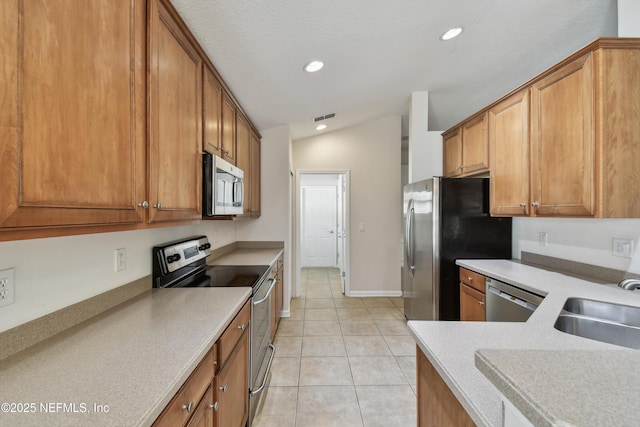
{"x": 223, "y": 187}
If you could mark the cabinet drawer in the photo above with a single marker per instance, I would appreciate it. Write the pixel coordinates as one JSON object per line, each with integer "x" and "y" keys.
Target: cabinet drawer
{"x": 185, "y": 401}
{"x": 472, "y": 279}
{"x": 232, "y": 334}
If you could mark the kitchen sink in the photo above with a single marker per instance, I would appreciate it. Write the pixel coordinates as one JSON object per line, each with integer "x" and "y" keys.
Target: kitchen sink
{"x": 601, "y": 321}
{"x": 625, "y": 314}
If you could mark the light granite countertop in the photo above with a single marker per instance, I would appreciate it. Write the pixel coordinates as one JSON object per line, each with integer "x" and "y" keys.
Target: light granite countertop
{"x": 247, "y": 256}
{"x": 130, "y": 360}
{"x": 531, "y": 363}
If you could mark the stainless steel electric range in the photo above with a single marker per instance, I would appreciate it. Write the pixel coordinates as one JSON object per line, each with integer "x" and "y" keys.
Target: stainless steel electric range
{"x": 182, "y": 264}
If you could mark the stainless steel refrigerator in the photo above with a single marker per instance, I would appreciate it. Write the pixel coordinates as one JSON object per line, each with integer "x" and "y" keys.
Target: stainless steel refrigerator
{"x": 446, "y": 219}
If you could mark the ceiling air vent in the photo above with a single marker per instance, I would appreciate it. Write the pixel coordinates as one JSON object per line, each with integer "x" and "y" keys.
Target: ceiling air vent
{"x": 326, "y": 116}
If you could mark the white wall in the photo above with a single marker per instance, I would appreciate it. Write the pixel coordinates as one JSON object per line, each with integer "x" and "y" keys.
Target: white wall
{"x": 425, "y": 147}
{"x": 583, "y": 240}
{"x": 371, "y": 152}
{"x": 628, "y": 18}
{"x": 275, "y": 219}
{"x": 53, "y": 273}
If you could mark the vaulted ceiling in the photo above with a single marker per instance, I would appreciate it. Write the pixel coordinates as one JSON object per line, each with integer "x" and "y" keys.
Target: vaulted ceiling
{"x": 377, "y": 52}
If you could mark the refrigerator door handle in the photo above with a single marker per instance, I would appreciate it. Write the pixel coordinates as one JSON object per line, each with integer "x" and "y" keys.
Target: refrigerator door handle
{"x": 408, "y": 239}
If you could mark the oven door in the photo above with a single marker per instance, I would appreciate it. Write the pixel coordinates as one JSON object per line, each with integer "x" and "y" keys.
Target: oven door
{"x": 260, "y": 364}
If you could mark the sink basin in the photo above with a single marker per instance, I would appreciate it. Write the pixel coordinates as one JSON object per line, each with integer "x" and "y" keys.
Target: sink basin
{"x": 624, "y": 314}
{"x": 599, "y": 330}
{"x": 601, "y": 321}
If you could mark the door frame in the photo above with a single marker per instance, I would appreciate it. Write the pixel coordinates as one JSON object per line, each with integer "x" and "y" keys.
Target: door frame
{"x": 298, "y": 232}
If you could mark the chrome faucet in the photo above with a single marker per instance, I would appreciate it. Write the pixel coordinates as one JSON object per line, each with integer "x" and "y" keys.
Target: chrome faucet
{"x": 631, "y": 283}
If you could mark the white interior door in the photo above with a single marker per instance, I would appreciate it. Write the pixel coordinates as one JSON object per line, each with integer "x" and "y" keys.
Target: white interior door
{"x": 319, "y": 226}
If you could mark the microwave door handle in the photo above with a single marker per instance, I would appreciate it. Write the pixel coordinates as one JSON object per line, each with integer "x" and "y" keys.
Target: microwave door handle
{"x": 238, "y": 191}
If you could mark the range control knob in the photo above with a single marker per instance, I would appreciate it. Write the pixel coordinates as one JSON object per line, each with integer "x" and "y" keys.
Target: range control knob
{"x": 204, "y": 247}
{"x": 173, "y": 258}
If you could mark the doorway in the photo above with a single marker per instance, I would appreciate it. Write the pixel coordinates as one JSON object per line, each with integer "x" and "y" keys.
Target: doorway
{"x": 322, "y": 217}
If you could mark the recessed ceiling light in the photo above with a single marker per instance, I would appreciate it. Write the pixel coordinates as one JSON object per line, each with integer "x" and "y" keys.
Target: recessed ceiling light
{"x": 321, "y": 126}
{"x": 313, "y": 66}
{"x": 452, "y": 33}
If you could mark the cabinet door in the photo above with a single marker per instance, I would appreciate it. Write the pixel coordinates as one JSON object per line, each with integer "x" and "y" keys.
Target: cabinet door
{"x": 228, "y": 129}
{"x": 243, "y": 158}
{"x": 212, "y": 113}
{"x": 509, "y": 155}
{"x": 562, "y": 132}
{"x": 475, "y": 146}
{"x": 254, "y": 154}
{"x": 175, "y": 119}
{"x": 233, "y": 387}
{"x": 472, "y": 304}
{"x": 72, "y": 112}
{"x": 453, "y": 154}
{"x": 437, "y": 405}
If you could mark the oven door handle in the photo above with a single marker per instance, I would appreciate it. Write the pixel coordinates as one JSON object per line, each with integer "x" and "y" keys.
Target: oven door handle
{"x": 266, "y": 373}
{"x": 273, "y": 283}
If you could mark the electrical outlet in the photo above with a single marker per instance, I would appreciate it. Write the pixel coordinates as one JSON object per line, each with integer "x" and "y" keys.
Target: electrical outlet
{"x": 7, "y": 287}
{"x": 121, "y": 259}
{"x": 623, "y": 248}
{"x": 542, "y": 238}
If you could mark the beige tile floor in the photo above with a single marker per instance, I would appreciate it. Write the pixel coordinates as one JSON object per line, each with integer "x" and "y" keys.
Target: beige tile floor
{"x": 340, "y": 361}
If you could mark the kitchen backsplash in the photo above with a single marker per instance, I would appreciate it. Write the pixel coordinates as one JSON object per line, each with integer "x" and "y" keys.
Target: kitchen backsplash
{"x": 588, "y": 241}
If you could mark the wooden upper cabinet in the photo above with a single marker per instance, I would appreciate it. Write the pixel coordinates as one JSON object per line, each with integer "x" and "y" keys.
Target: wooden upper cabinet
{"x": 618, "y": 129}
{"x": 212, "y": 113}
{"x": 466, "y": 148}
{"x": 452, "y": 153}
{"x": 243, "y": 158}
{"x": 509, "y": 155}
{"x": 229, "y": 129}
{"x": 255, "y": 184}
{"x": 72, "y": 114}
{"x": 175, "y": 119}
{"x": 562, "y": 141}
{"x": 475, "y": 146}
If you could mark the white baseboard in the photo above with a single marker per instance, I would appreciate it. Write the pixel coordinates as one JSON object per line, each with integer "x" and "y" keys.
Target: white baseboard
{"x": 285, "y": 313}
{"x": 361, "y": 294}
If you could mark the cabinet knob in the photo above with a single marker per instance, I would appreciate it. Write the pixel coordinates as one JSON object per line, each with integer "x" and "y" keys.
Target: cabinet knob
{"x": 158, "y": 206}
{"x": 481, "y": 302}
{"x": 534, "y": 204}
{"x": 223, "y": 388}
{"x": 523, "y": 205}
{"x": 214, "y": 406}
{"x": 241, "y": 327}
{"x": 188, "y": 407}
{"x": 144, "y": 204}
{"x": 470, "y": 278}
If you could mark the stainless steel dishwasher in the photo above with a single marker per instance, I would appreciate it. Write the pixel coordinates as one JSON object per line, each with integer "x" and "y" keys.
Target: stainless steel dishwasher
{"x": 507, "y": 303}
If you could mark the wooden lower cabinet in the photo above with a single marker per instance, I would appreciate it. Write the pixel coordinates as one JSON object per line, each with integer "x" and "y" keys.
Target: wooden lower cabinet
{"x": 182, "y": 406}
{"x": 233, "y": 387}
{"x": 203, "y": 416}
{"x": 217, "y": 392}
{"x": 472, "y": 296}
{"x": 472, "y": 304}
{"x": 277, "y": 299}
{"x": 437, "y": 405}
